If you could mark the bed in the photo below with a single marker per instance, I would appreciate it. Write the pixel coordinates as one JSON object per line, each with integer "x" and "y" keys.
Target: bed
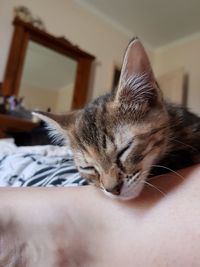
{"x": 46, "y": 165}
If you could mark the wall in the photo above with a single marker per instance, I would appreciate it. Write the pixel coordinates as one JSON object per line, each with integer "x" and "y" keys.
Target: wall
{"x": 103, "y": 40}
{"x": 68, "y": 18}
{"x": 38, "y": 98}
{"x": 64, "y": 98}
{"x": 184, "y": 54}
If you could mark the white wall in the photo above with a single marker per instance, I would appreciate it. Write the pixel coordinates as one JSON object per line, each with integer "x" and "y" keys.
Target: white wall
{"x": 184, "y": 54}
{"x": 68, "y": 18}
{"x": 38, "y": 98}
{"x": 64, "y": 98}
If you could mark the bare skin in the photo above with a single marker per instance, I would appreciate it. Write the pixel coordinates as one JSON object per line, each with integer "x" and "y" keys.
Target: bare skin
{"x": 58, "y": 227}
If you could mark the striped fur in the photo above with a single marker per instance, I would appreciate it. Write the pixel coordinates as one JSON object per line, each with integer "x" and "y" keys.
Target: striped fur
{"x": 118, "y": 137}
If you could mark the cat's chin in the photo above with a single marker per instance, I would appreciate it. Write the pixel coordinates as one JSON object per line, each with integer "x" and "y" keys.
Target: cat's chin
{"x": 126, "y": 198}
{"x": 131, "y": 192}
{"x": 127, "y": 194}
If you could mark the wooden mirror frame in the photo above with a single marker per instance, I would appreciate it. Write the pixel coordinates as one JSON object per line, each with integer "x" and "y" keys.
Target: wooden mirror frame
{"x": 23, "y": 33}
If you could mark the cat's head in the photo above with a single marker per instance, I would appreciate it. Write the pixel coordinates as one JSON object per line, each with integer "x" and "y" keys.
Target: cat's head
{"x": 117, "y": 138}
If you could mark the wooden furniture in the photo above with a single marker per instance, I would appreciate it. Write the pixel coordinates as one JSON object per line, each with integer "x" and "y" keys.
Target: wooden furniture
{"x": 10, "y": 124}
{"x": 25, "y": 32}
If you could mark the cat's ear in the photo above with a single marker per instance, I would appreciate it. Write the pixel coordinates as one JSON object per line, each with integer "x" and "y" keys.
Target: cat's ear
{"x": 137, "y": 85}
{"x": 58, "y": 126}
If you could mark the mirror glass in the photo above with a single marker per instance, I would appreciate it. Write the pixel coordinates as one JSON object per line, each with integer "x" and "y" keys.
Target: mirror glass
{"x": 48, "y": 79}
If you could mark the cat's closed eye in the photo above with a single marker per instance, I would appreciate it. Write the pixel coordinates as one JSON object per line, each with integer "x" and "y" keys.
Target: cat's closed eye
{"x": 89, "y": 168}
{"x": 121, "y": 155}
{"x": 89, "y": 172}
{"x": 123, "y": 150}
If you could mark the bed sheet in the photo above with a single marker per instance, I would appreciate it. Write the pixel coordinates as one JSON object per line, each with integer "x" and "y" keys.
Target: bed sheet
{"x": 37, "y": 166}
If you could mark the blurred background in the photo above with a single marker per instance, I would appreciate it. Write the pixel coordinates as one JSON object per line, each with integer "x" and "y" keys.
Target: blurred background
{"x": 45, "y": 77}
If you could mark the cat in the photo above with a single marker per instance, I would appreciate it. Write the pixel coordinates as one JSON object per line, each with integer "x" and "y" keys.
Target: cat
{"x": 122, "y": 138}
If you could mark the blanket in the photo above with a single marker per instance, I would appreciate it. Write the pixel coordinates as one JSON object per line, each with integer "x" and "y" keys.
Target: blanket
{"x": 37, "y": 166}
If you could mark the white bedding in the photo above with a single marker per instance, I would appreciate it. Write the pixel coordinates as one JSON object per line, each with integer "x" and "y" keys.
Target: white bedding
{"x": 37, "y": 166}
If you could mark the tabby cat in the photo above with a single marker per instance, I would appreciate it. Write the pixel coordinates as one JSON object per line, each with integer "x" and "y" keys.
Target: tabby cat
{"x": 120, "y": 138}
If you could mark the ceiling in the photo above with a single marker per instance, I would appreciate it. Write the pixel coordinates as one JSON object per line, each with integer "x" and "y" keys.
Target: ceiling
{"x": 157, "y": 22}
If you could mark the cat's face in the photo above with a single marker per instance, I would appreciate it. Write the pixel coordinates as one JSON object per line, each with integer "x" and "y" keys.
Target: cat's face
{"x": 117, "y": 138}
{"x": 116, "y": 152}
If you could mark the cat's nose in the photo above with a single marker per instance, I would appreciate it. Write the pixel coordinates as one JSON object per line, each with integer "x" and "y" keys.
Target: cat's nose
{"x": 116, "y": 189}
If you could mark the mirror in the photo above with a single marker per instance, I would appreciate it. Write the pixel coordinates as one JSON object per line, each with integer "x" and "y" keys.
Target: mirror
{"x": 48, "y": 79}
{"x": 50, "y": 73}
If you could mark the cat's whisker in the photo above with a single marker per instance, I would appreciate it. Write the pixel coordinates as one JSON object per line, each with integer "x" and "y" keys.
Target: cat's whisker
{"x": 146, "y": 172}
{"x": 169, "y": 169}
{"x": 154, "y": 187}
{"x": 187, "y": 145}
{"x": 174, "y": 125}
{"x": 149, "y": 173}
{"x": 157, "y": 177}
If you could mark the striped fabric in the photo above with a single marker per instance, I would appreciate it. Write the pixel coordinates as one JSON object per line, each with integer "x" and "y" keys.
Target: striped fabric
{"x": 38, "y": 166}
